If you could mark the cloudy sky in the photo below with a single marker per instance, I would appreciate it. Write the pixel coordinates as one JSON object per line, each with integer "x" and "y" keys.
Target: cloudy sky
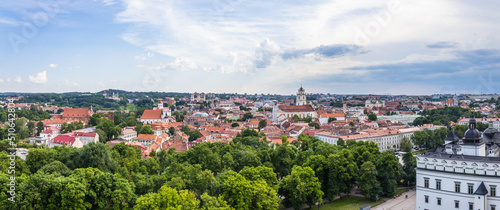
{"x": 356, "y": 46}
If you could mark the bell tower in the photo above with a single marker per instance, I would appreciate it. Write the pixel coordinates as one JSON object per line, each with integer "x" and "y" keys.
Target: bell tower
{"x": 301, "y": 97}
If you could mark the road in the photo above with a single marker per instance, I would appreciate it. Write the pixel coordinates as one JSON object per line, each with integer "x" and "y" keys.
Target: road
{"x": 399, "y": 203}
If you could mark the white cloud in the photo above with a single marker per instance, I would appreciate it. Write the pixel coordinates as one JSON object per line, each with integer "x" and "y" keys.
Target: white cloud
{"x": 107, "y": 2}
{"x": 52, "y": 65}
{"x": 71, "y": 84}
{"x": 1, "y": 80}
{"x": 40, "y": 78}
{"x": 8, "y": 79}
{"x": 17, "y": 79}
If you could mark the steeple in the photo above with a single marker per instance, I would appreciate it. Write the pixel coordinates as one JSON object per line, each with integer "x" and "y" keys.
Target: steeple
{"x": 301, "y": 97}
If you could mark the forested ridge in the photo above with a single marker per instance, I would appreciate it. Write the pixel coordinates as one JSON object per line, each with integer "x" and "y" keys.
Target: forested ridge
{"x": 246, "y": 173}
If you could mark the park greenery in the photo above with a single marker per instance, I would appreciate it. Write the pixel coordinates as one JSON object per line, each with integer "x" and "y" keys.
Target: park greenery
{"x": 443, "y": 116}
{"x": 246, "y": 173}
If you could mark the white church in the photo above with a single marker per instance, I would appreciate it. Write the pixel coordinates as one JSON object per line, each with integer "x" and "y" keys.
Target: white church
{"x": 464, "y": 174}
{"x": 301, "y": 109}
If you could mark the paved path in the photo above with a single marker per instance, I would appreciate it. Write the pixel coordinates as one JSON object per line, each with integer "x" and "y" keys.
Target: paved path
{"x": 399, "y": 203}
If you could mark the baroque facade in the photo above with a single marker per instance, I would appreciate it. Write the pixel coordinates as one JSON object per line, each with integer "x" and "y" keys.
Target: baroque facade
{"x": 464, "y": 174}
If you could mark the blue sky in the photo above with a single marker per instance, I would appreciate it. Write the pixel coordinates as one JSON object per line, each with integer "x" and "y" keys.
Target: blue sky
{"x": 379, "y": 47}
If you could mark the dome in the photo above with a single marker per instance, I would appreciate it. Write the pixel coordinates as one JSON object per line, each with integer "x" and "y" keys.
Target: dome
{"x": 472, "y": 134}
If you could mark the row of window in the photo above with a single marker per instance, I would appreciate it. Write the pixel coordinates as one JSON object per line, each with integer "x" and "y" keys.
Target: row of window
{"x": 470, "y": 187}
{"x": 457, "y": 203}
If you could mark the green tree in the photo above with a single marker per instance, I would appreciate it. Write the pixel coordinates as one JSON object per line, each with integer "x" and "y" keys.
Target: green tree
{"x": 168, "y": 198}
{"x": 388, "y": 172}
{"x": 244, "y": 194}
{"x": 171, "y": 130}
{"x": 262, "y": 124}
{"x": 460, "y": 130}
{"x": 263, "y": 173}
{"x": 300, "y": 187}
{"x": 405, "y": 144}
{"x": 193, "y": 135}
{"x": 372, "y": 117}
{"x": 95, "y": 155}
{"x": 213, "y": 203}
{"x": 367, "y": 180}
{"x": 31, "y": 127}
{"x": 410, "y": 163}
{"x": 235, "y": 124}
{"x": 314, "y": 124}
{"x": 146, "y": 129}
{"x": 331, "y": 119}
{"x": 247, "y": 116}
{"x": 109, "y": 128}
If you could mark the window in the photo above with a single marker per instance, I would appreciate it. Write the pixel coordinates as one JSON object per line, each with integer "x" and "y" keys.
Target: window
{"x": 457, "y": 204}
{"x": 426, "y": 199}
{"x": 471, "y": 206}
{"x": 470, "y": 188}
{"x": 438, "y": 184}
{"x": 439, "y": 201}
{"x": 426, "y": 183}
{"x": 493, "y": 207}
{"x": 493, "y": 191}
{"x": 457, "y": 187}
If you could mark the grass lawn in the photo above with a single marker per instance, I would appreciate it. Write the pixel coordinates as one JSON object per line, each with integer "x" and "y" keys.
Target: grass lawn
{"x": 349, "y": 203}
{"x": 130, "y": 107}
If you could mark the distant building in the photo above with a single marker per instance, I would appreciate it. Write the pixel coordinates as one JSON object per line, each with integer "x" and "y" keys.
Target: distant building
{"x": 77, "y": 114}
{"x": 151, "y": 116}
{"x": 374, "y": 103}
{"x": 323, "y": 118}
{"x": 128, "y": 133}
{"x": 302, "y": 111}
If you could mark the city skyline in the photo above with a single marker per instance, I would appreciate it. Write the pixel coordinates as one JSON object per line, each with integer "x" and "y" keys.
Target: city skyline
{"x": 379, "y": 47}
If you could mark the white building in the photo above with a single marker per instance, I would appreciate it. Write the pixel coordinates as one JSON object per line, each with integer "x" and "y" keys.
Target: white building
{"x": 327, "y": 137}
{"x": 301, "y": 97}
{"x": 464, "y": 174}
{"x": 495, "y": 121}
{"x": 323, "y": 118}
{"x": 374, "y": 103}
{"x": 151, "y": 116}
{"x": 128, "y": 133}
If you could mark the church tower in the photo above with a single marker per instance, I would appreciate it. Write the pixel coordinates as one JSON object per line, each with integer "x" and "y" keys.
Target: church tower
{"x": 301, "y": 97}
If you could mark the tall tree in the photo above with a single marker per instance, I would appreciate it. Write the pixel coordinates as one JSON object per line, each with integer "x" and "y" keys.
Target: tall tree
{"x": 367, "y": 180}
{"x": 39, "y": 128}
{"x": 262, "y": 124}
{"x": 405, "y": 144}
{"x": 300, "y": 187}
{"x": 410, "y": 163}
{"x": 388, "y": 172}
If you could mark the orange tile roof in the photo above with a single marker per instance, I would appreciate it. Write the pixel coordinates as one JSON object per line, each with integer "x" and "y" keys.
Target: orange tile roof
{"x": 333, "y": 115}
{"x": 146, "y": 137}
{"x": 151, "y": 114}
{"x": 76, "y": 112}
{"x": 302, "y": 108}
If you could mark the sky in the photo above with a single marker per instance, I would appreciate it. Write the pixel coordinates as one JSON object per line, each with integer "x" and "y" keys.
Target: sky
{"x": 240, "y": 46}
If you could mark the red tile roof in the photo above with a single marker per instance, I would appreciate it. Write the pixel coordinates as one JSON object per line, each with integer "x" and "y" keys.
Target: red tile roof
{"x": 76, "y": 112}
{"x": 151, "y": 114}
{"x": 146, "y": 137}
{"x": 64, "y": 139}
{"x": 302, "y": 108}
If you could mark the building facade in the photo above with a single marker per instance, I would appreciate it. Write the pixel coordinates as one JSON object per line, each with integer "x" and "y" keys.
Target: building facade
{"x": 301, "y": 97}
{"x": 463, "y": 174}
